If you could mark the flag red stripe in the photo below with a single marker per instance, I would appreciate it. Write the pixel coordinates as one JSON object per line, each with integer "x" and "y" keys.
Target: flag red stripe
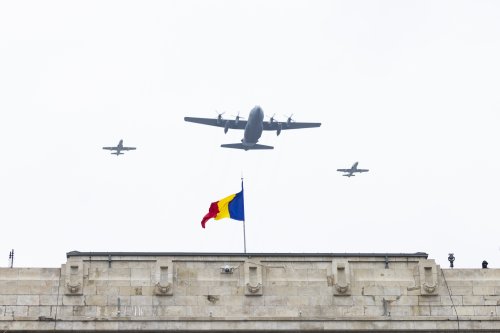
{"x": 212, "y": 212}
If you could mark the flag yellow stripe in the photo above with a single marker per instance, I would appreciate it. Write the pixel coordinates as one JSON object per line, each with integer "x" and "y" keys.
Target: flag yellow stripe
{"x": 223, "y": 205}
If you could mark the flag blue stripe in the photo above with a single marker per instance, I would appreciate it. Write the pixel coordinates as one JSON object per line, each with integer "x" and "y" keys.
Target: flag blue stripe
{"x": 237, "y": 207}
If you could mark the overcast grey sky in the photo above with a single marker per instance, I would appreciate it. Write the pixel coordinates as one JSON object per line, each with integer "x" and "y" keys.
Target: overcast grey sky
{"x": 410, "y": 89}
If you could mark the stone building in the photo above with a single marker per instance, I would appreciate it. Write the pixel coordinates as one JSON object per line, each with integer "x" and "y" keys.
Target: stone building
{"x": 249, "y": 292}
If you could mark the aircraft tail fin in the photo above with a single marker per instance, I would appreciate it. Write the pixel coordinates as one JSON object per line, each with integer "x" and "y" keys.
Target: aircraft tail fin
{"x": 241, "y": 146}
{"x": 117, "y": 153}
{"x": 349, "y": 175}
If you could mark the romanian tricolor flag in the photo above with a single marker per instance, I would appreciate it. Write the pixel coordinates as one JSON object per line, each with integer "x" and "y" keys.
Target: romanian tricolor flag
{"x": 231, "y": 207}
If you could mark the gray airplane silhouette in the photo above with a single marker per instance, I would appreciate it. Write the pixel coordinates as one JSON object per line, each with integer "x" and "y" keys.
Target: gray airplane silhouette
{"x": 119, "y": 148}
{"x": 253, "y": 127}
{"x": 352, "y": 170}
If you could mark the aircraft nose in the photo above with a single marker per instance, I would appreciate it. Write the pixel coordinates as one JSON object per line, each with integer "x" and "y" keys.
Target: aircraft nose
{"x": 258, "y": 110}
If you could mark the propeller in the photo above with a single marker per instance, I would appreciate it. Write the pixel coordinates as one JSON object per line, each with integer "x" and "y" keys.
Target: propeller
{"x": 278, "y": 126}
{"x": 237, "y": 118}
{"x": 289, "y": 119}
{"x": 272, "y": 120}
{"x": 219, "y": 116}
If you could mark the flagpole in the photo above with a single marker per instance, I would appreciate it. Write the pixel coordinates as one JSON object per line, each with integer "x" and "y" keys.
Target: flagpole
{"x": 244, "y": 231}
{"x": 244, "y": 239}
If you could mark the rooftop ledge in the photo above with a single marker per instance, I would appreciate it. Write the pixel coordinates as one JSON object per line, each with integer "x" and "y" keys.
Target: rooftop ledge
{"x": 249, "y": 254}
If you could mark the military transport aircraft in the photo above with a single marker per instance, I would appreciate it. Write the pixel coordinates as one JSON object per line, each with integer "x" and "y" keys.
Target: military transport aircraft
{"x": 119, "y": 148}
{"x": 352, "y": 170}
{"x": 253, "y": 127}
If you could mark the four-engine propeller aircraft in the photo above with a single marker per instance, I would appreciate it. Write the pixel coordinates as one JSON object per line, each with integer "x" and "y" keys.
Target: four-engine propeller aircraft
{"x": 119, "y": 148}
{"x": 253, "y": 127}
{"x": 352, "y": 170}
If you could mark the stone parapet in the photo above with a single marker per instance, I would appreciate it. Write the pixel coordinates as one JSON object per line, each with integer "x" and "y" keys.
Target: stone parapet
{"x": 249, "y": 292}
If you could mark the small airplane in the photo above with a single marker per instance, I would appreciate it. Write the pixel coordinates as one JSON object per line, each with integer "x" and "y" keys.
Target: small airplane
{"x": 352, "y": 170}
{"x": 119, "y": 148}
{"x": 253, "y": 127}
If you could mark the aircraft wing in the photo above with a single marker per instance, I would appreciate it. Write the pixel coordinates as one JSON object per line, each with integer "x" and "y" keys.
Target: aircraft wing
{"x": 128, "y": 148}
{"x": 110, "y": 148}
{"x": 268, "y": 126}
{"x": 241, "y": 146}
{"x": 344, "y": 170}
{"x": 361, "y": 170}
{"x": 240, "y": 124}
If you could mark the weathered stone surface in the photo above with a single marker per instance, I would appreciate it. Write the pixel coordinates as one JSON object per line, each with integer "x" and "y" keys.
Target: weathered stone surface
{"x": 297, "y": 292}
{"x": 28, "y": 300}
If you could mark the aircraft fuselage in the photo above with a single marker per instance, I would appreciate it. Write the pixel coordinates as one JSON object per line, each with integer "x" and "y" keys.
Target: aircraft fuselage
{"x": 254, "y": 127}
{"x": 119, "y": 148}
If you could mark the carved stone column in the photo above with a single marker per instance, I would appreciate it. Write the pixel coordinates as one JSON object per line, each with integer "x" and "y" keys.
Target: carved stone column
{"x": 164, "y": 280}
{"x": 74, "y": 276}
{"x": 341, "y": 278}
{"x": 253, "y": 278}
{"x": 427, "y": 270}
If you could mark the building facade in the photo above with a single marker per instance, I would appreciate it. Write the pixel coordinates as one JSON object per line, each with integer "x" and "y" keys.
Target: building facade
{"x": 249, "y": 292}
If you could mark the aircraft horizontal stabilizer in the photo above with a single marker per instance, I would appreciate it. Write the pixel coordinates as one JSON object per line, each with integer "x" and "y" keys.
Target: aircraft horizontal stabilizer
{"x": 241, "y": 146}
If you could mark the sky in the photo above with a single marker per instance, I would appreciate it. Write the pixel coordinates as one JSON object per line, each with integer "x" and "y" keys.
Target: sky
{"x": 410, "y": 89}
